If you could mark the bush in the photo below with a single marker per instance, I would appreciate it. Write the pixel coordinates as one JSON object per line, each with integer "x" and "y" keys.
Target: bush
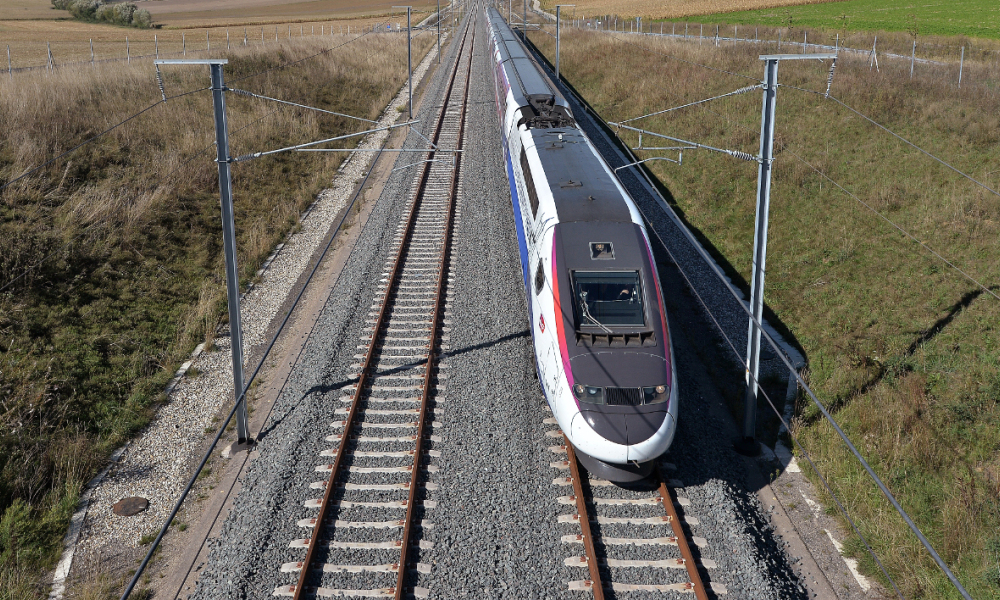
{"x": 84, "y": 9}
{"x": 126, "y": 14}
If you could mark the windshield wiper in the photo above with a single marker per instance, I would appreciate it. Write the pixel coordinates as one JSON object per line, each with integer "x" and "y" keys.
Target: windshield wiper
{"x": 586, "y": 313}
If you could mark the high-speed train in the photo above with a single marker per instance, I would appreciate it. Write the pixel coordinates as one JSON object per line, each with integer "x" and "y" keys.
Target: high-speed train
{"x": 600, "y": 331}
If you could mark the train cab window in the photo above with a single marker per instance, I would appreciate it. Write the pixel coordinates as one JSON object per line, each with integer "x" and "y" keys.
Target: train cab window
{"x": 608, "y": 299}
{"x": 529, "y": 183}
{"x": 539, "y": 278}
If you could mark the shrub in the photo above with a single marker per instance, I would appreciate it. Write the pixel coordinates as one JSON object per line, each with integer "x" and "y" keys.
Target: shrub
{"x": 126, "y": 14}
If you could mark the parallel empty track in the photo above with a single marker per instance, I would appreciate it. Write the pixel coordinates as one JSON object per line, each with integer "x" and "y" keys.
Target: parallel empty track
{"x": 369, "y": 518}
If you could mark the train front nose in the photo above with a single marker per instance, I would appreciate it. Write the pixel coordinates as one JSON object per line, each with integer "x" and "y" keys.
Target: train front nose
{"x": 626, "y": 425}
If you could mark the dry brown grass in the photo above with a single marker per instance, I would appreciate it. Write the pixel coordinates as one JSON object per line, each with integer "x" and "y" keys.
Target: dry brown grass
{"x": 30, "y": 9}
{"x": 92, "y": 336}
{"x": 70, "y": 40}
{"x": 900, "y": 347}
{"x": 671, "y": 9}
{"x": 186, "y": 13}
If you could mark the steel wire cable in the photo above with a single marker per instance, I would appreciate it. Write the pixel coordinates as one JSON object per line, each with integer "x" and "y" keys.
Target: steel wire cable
{"x": 246, "y": 387}
{"x": 840, "y": 432}
{"x": 159, "y": 183}
{"x": 896, "y": 135}
{"x": 742, "y": 90}
{"x": 300, "y": 60}
{"x": 262, "y": 97}
{"x": 788, "y": 428}
{"x": 690, "y": 62}
{"x": 92, "y": 225}
{"x": 906, "y": 233}
{"x": 98, "y": 136}
{"x": 894, "y": 225}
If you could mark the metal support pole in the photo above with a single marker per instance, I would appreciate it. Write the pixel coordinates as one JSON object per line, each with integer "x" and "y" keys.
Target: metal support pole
{"x": 48, "y": 48}
{"x": 156, "y": 47}
{"x": 128, "y": 53}
{"x": 439, "y": 31}
{"x": 91, "y": 52}
{"x": 913, "y": 55}
{"x": 184, "y": 45}
{"x": 208, "y": 42}
{"x": 229, "y": 246}
{"x": 961, "y": 64}
{"x": 524, "y": 22}
{"x": 10, "y": 69}
{"x": 244, "y": 36}
{"x": 227, "y": 40}
{"x": 748, "y": 444}
{"x": 558, "y": 18}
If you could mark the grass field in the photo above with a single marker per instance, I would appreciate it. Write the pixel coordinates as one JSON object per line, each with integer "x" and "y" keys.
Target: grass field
{"x": 666, "y": 9}
{"x": 971, "y": 18}
{"x": 135, "y": 278}
{"x": 70, "y": 41}
{"x": 901, "y": 348}
{"x": 31, "y": 27}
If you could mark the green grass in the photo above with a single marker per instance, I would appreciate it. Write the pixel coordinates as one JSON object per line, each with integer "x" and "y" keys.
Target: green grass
{"x": 92, "y": 336}
{"x": 972, "y": 18}
{"x": 901, "y": 348}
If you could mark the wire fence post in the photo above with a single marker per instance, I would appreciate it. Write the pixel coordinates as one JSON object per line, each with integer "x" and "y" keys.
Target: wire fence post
{"x": 227, "y": 40}
{"x": 156, "y": 47}
{"x": 208, "y": 42}
{"x": 961, "y": 63}
{"x": 128, "y": 53}
{"x": 184, "y": 44}
{"x": 913, "y": 55}
{"x": 10, "y": 69}
{"x": 92, "y": 52}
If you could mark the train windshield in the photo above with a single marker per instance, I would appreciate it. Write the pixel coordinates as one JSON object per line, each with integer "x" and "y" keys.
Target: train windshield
{"x": 608, "y": 299}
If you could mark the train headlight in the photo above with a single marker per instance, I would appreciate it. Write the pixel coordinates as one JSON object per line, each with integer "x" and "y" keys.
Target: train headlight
{"x": 655, "y": 394}
{"x": 589, "y": 394}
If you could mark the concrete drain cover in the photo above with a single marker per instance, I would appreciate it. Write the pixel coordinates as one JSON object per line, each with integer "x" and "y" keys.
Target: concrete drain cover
{"x": 126, "y": 507}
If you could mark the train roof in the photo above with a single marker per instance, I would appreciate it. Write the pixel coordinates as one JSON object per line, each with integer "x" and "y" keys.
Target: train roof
{"x": 528, "y": 82}
{"x": 583, "y": 189}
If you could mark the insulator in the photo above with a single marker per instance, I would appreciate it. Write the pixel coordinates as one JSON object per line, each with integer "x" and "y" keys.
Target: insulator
{"x": 246, "y": 157}
{"x": 159, "y": 82}
{"x": 746, "y": 89}
{"x": 829, "y": 78}
{"x": 242, "y": 92}
{"x": 742, "y": 155}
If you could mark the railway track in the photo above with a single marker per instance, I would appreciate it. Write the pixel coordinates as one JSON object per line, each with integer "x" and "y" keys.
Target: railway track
{"x": 623, "y": 536}
{"x": 369, "y": 519}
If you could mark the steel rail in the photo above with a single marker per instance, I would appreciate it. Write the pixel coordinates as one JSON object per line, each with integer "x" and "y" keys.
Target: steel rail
{"x": 364, "y": 375}
{"x": 581, "y": 509}
{"x": 438, "y": 301}
{"x": 682, "y": 543}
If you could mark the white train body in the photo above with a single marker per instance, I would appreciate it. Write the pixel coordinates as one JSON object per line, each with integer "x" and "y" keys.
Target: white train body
{"x": 599, "y": 327}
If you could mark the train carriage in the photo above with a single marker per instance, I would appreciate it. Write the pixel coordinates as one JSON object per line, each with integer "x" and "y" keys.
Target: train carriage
{"x": 599, "y": 327}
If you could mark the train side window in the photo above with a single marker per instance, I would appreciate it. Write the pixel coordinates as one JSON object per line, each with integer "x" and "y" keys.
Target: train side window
{"x": 539, "y": 278}
{"x": 529, "y": 183}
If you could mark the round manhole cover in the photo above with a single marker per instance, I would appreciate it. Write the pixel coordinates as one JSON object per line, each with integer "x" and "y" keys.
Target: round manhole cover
{"x": 126, "y": 507}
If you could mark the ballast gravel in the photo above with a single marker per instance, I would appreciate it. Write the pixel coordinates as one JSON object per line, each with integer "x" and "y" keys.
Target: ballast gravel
{"x": 156, "y": 465}
{"x": 495, "y": 526}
